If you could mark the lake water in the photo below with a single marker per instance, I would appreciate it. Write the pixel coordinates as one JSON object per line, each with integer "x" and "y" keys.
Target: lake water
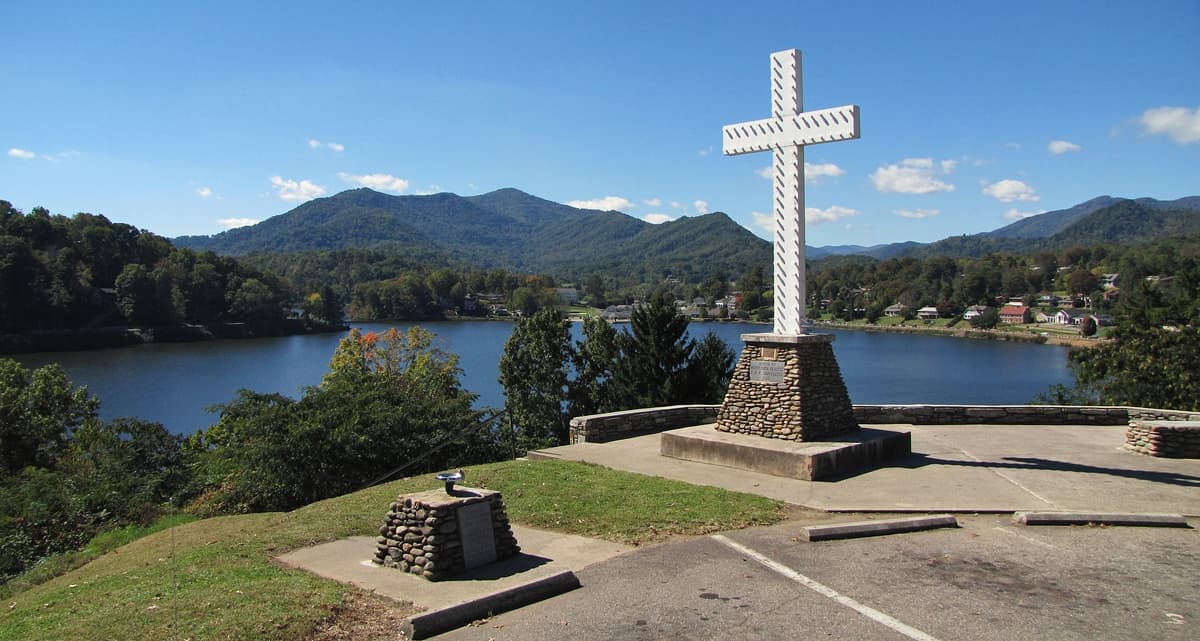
{"x": 175, "y": 383}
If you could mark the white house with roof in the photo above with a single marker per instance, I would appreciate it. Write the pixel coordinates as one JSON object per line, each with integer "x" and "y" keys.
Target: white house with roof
{"x": 928, "y": 312}
{"x": 975, "y": 311}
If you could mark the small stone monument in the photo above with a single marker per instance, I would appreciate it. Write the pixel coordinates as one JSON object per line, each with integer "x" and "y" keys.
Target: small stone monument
{"x": 787, "y": 385}
{"x": 441, "y": 533}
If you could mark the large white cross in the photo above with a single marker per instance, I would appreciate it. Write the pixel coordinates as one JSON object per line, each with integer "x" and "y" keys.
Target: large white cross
{"x": 786, "y": 133}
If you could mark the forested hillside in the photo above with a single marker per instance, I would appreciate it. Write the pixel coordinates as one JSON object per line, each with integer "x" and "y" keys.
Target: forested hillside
{"x": 87, "y": 273}
{"x": 506, "y": 229}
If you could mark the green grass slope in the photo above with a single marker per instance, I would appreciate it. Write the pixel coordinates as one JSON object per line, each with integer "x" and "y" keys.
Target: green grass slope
{"x": 216, "y": 579}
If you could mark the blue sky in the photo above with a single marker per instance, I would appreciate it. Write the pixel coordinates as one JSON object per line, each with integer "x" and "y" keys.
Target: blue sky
{"x": 187, "y": 118}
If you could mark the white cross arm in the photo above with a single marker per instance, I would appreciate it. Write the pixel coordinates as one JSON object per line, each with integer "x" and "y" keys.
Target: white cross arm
{"x": 808, "y": 128}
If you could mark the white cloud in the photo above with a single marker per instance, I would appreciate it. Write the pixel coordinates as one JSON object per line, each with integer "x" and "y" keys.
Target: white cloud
{"x": 292, "y": 190}
{"x": 763, "y": 221}
{"x": 701, "y": 206}
{"x": 706, "y": 151}
{"x": 1009, "y": 190}
{"x": 204, "y": 192}
{"x": 814, "y": 216}
{"x": 230, "y": 223}
{"x": 608, "y": 203}
{"x": 675, "y": 204}
{"x": 21, "y": 153}
{"x": 1013, "y": 214}
{"x": 813, "y": 172}
{"x": 429, "y": 191}
{"x": 1059, "y": 147}
{"x": 911, "y": 176}
{"x": 916, "y": 213}
{"x": 653, "y": 202}
{"x": 382, "y": 182}
{"x": 657, "y": 219}
{"x": 62, "y": 155}
{"x": 948, "y": 166}
{"x": 317, "y": 144}
{"x": 1179, "y": 123}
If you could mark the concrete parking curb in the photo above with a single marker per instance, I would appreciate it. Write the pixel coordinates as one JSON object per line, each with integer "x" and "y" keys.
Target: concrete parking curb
{"x": 1099, "y": 518}
{"x": 431, "y": 622}
{"x": 876, "y": 528}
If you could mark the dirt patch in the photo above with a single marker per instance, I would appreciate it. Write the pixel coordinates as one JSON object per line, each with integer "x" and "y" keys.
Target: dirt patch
{"x": 364, "y": 617}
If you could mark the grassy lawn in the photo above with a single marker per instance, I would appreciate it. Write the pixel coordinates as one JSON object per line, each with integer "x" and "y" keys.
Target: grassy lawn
{"x": 229, "y": 588}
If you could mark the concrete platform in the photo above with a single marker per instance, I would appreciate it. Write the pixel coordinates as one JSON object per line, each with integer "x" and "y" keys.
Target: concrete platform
{"x": 543, "y": 569}
{"x": 953, "y": 468}
{"x": 830, "y": 459}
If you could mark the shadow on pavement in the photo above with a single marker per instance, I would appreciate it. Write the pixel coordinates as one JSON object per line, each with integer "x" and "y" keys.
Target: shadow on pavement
{"x": 1032, "y": 463}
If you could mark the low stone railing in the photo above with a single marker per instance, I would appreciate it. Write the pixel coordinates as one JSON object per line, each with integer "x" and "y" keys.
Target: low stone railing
{"x": 1167, "y": 439}
{"x": 598, "y": 428}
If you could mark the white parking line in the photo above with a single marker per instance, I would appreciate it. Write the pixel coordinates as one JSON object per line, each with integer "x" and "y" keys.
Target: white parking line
{"x": 1027, "y": 538}
{"x": 819, "y": 588}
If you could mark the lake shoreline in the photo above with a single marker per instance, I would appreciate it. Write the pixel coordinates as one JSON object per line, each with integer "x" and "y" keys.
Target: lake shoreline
{"x": 122, "y": 336}
{"x": 972, "y": 334}
{"x": 119, "y": 337}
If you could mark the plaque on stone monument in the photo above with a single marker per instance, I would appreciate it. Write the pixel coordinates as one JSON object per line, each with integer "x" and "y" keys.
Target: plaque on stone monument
{"x": 476, "y": 535}
{"x": 762, "y": 371}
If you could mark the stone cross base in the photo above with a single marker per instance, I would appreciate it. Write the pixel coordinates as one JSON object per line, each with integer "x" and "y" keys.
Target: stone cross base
{"x": 787, "y": 386}
{"x": 436, "y": 536}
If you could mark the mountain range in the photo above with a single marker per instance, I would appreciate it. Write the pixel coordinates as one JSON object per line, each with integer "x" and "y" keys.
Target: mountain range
{"x": 514, "y": 230}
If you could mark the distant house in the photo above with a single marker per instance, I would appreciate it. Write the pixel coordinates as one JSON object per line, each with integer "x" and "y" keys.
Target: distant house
{"x": 1070, "y": 316}
{"x": 1048, "y": 300}
{"x": 899, "y": 309}
{"x": 928, "y": 313}
{"x": 729, "y": 302}
{"x": 1015, "y": 314}
{"x": 617, "y": 313}
{"x": 975, "y": 311}
{"x": 568, "y": 295}
{"x": 1108, "y": 281}
{"x": 1043, "y": 316}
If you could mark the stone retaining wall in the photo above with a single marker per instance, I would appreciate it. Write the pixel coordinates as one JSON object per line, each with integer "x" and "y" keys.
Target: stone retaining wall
{"x": 598, "y": 428}
{"x": 992, "y": 414}
{"x": 421, "y": 533}
{"x": 1167, "y": 439}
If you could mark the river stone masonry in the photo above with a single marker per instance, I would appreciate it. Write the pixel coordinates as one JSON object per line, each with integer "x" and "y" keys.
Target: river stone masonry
{"x": 787, "y": 387}
{"x": 1164, "y": 439}
{"x": 436, "y": 535}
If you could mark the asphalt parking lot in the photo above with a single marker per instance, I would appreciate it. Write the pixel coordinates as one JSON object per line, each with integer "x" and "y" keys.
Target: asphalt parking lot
{"x": 988, "y": 579}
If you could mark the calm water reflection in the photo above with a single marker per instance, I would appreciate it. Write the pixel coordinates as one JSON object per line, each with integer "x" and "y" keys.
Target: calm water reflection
{"x": 174, "y": 383}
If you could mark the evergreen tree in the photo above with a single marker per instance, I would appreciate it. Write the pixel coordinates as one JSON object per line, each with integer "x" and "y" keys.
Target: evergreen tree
{"x": 709, "y": 370}
{"x": 594, "y": 360}
{"x": 652, "y": 371}
{"x": 533, "y": 372}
